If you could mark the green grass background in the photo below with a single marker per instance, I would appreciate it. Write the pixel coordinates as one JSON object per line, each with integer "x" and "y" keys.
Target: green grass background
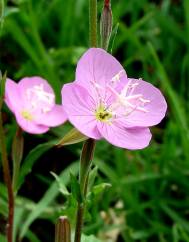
{"x": 149, "y": 197}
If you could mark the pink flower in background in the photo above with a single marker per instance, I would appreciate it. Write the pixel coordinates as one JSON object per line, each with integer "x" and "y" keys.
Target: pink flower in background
{"x": 32, "y": 101}
{"x": 104, "y": 103}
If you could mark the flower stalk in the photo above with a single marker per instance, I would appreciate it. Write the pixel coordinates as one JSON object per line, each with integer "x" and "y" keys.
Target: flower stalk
{"x": 89, "y": 145}
{"x": 6, "y": 170}
{"x": 85, "y": 164}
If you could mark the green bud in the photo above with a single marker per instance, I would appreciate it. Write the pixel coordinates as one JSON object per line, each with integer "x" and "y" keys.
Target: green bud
{"x": 63, "y": 230}
{"x": 106, "y": 24}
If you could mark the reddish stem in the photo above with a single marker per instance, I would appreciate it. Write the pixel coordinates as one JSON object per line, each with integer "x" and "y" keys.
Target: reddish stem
{"x": 7, "y": 179}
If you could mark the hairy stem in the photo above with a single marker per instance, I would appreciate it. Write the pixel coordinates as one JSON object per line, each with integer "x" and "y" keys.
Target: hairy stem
{"x": 7, "y": 179}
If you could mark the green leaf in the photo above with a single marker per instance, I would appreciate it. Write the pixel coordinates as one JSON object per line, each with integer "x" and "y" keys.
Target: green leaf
{"x": 62, "y": 187}
{"x": 90, "y": 238}
{"x": 10, "y": 10}
{"x": 32, "y": 237}
{"x": 2, "y": 238}
{"x": 92, "y": 175}
{"x": 48, "y": 198}
{"x": 72, "y": 137}
{"x": 75, "y": 188}
{"x": 98, "y": 190}
{"x": 31, "y": 158}
{"x": 18, "y": 216}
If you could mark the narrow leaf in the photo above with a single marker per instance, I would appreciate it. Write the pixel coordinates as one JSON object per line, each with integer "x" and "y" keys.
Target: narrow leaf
{"x": 75, "y": 188}
{"x": 61, "y": 185}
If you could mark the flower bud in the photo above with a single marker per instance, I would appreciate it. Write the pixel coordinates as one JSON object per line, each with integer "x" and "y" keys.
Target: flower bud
{"x": 106, "y": 24}
{"x": 63, "y": 230}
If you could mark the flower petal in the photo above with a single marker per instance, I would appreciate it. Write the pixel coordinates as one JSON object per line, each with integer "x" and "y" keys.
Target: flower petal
{"x": 30, "y": 126}
{"x": 156, "y": 108}
{"x": 132, "y": 139}
{"x": 30, "y": 82}
{"x": 80, "y": 107}
{"x": 96, "y": 65}
{"x": 55, "y": 117}
{"x": 12, "y": 96}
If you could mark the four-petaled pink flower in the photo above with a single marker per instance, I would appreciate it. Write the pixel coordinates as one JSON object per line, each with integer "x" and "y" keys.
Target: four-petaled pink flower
{"x": 32, "y": 101}
{"x": 104, "y": 103}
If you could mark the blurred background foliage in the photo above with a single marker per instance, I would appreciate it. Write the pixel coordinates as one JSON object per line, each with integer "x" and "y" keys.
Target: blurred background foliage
{"x": 149, "y": 197}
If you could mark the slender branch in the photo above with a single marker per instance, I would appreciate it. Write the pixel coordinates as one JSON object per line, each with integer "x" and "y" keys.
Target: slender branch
{"x": 7, "y": 179}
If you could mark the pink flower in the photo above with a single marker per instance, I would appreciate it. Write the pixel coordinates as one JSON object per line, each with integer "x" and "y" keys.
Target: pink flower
{"x": 104, "y": 103}
{"x": 32, "y": 101}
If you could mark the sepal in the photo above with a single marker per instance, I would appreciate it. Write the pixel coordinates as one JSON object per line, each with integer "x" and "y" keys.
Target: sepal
{"x": 72, "y": 137}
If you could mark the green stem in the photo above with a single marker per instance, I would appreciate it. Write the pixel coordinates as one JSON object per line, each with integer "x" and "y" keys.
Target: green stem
{"x": 85, "y": 163}
{"x": 93, "y": 23}
{"x": 89, "y": 145}
{"x": 79, "y": 222}
{"x": 17, "y": 153}
{"x": 7, "y": 179}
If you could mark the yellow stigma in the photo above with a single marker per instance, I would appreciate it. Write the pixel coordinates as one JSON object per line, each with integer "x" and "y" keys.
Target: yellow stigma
{"x": 102, "y": 114}
{"x": 26, "y": 115}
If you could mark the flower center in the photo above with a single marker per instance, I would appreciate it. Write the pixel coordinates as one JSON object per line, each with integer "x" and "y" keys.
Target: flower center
{"x": 102, "y": 114}
{"x": 26, "y": 115}
{"x": 40, "y": 99}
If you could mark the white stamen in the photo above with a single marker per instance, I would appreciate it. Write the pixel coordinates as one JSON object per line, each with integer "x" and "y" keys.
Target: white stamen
{"x": 117, "y": 77}
{"x": 125, "y": 99}
{"x": 39, "y": 98}
{"x": 144, "y": 100}
{"x": 126, "y": 88}
{"x": 46, "y": 110}
{"x": 135, "y": 97}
